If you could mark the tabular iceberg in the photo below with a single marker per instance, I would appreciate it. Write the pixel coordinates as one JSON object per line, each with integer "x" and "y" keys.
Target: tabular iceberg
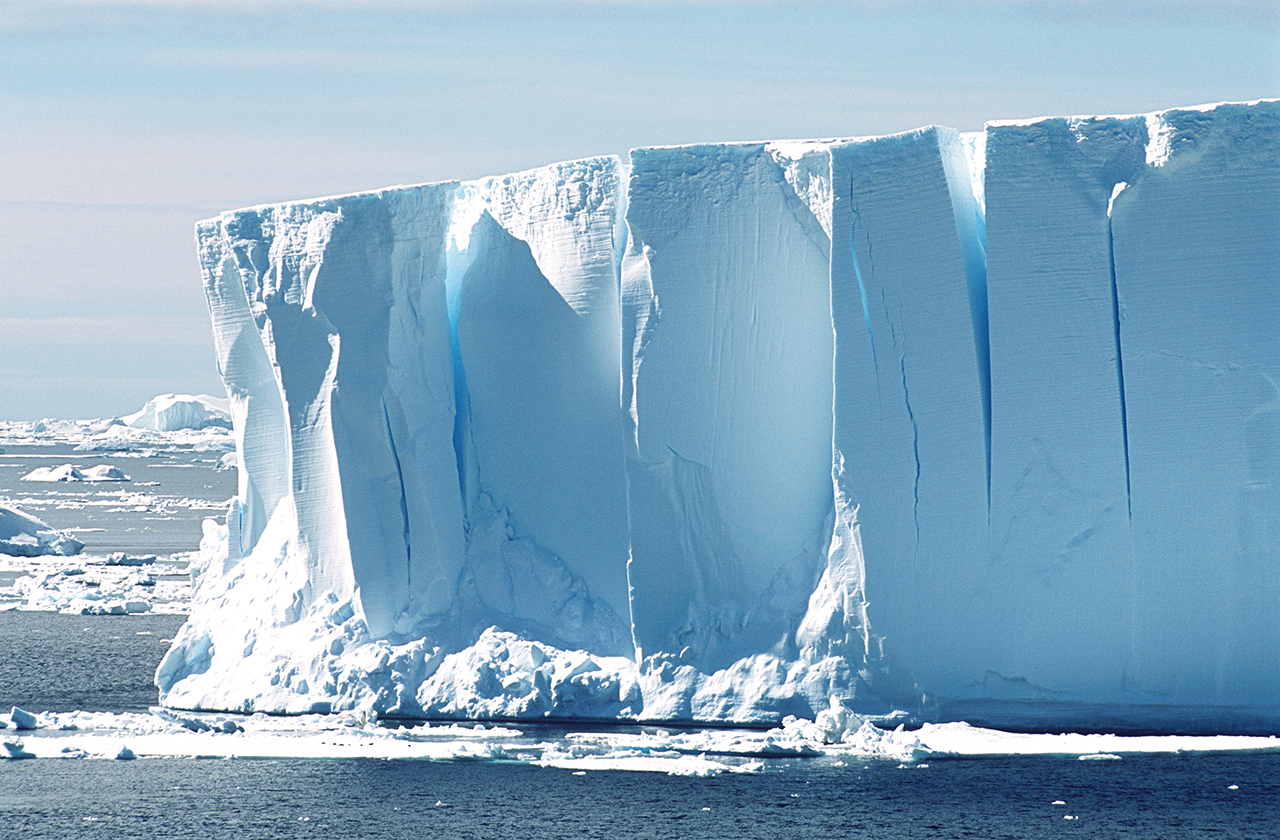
{"x": 949, "y": 424}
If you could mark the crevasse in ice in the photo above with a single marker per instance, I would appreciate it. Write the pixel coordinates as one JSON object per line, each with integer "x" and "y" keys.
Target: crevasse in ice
{"x": 980, "y": 425}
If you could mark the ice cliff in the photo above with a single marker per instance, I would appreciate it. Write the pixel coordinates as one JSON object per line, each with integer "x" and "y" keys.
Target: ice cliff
{"x": 954, "y": 424}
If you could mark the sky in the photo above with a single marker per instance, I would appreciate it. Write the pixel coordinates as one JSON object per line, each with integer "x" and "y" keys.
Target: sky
{"x": 124, "y": 123}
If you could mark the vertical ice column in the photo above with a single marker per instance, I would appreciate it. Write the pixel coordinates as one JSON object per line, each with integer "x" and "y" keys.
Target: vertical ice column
{"x": 539, "y": 338}
{"x": 419, "y": 396}
{"x": 347, "y": 410}
{"x": 727, "y": 376}
{"x": 909, "y": 308}
{"x": 1057, "y": 599}
{"x": 277, "y": 250}
{"x": 378, "y": 283}
{"x": 1197, "y": 262}
{"x": 257, "y": 406}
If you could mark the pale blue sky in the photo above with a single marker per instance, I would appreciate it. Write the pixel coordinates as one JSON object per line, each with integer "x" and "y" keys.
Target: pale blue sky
{"x": 121, "y": 124}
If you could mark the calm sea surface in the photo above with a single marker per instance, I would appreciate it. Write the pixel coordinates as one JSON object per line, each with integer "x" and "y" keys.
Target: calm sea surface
{"x": 105, "y": 663}
{"x": 1153, "y": 797}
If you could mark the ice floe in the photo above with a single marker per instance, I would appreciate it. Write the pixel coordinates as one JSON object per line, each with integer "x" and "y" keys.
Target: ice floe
{"x": 118, "y": 584}
{"x": 23, "y": 535}
{"x": 70, "y": 472}
{"x": 706, "y": 752}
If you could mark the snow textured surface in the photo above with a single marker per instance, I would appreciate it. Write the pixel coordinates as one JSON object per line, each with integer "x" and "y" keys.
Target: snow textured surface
{"x": 744, "y": 431}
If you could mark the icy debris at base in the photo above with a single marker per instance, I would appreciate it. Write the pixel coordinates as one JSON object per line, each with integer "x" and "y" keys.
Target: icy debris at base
{"x": 22, "y": 535}
{"x": 708, "y": 752}
{"x": 742, "y": 427}
{"x": 68, "y": 472}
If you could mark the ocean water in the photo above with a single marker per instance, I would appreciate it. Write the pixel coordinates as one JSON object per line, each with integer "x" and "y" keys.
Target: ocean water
{"x": 1155, "y": 797}
{"x": 92, "y": 663}
{"x": 51, "y": 662}
{"x": 158, "y": 511}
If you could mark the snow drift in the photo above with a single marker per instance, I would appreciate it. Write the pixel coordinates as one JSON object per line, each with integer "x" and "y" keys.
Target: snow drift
{"x": 959, "y": 425}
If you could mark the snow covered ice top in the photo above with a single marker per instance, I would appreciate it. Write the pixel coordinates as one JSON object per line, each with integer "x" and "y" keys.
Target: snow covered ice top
{"x": 913, "y": 421}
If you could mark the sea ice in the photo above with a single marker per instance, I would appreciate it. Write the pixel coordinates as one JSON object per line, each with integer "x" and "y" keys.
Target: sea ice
{"x": 705, "y": 752}
{"x": 22, "y": 535}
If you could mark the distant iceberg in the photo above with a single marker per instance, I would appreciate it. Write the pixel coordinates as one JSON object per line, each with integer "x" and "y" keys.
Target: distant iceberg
{"x": 69, "y": 472}
{"x": 174, "y": 412}
{"x": 950, "y": 424}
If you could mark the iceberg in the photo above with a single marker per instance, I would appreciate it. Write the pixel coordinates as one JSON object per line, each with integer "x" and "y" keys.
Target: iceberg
{"x": 978, "y": 425}
{"x": 175, "y": 412}
{"x": 23, "y": 535}
{"x": 70, "y": 472}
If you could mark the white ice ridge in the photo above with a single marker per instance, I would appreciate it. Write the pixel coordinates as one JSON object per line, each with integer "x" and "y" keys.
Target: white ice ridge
{"x": 835, "y": 734}
{"x": 938, "y": 422}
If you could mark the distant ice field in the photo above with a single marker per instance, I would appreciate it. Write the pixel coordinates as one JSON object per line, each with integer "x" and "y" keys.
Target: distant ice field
{"x": 139, "y": 529}
{"x": 158, "y": 511}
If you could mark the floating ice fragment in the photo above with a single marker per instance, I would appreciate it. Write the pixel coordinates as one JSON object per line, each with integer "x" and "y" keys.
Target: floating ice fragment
{"x": 22, "y": 535}
{"x": 119, "y": 558}
{"x": 15, "y": 749}
{"x": 23, "y": 719}
{"x": 174, "y": 412}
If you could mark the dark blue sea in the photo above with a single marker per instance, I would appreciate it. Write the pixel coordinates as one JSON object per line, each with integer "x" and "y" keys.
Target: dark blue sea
{"x": 104, "y": 663}
{"x": 51, "y": 662}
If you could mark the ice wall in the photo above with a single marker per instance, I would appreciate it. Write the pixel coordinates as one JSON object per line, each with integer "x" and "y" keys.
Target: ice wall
{"x": 1196, "y": 244}
{"x": 729, "y": 330}
{"x": 910, "y": 425}
{"x": 344, "y": 413}
{"x": 1058, "y": 591}
{"x": 539, "y": 339}
{"x": 979, "y": 425}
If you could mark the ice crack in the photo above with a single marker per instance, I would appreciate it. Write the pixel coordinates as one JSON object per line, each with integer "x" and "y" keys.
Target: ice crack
{"x": 1124, "y": 414}
{"x": 862, "y": 287}
{"x": 915, "y": 429}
